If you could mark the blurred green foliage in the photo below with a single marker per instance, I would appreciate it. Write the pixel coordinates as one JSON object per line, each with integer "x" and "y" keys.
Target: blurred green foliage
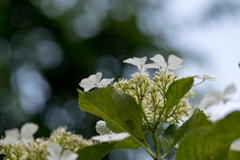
{"x": 48, "y": 46}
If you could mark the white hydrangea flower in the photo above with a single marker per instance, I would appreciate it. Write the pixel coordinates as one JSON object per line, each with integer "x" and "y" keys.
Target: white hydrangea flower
{"x": 235, "y": 145}
{"x": 101, "y": 128}
{"x": 205, "y": 77}
{"x": 55, "y": 153}
{"x": 140, "y": 63}
{"x": 173, "y": 62}
{"x": 215, "y": 97}
{"x": 111, "y": 137}
{"x": 24, "y": 136}
{"x": 94, "y": 81}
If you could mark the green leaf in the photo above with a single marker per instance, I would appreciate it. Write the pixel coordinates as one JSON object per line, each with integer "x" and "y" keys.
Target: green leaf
{"x": 171, "y": 136}
{"x": 94, "y": 152}
{"x": 198, "y": 119}
{"x": 198, "y": 146}
{"x": 167, "y": 138}
{"x": 120, "y": 112}
{"x": 211, "y": 143}
{"x": 233, "y": 155}
{"x": 176, "y": 91}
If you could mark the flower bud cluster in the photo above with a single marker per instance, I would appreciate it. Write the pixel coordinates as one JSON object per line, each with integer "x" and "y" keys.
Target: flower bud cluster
{"x": 150, "y": 95}
{"x": 70, "y": 141}
{"x": 38, "y": 149}
{"x": 14, "y": 151}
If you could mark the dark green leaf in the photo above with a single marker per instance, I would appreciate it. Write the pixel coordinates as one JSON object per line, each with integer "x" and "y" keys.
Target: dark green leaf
{"x": 120, "y": 112}
{"x": 171, "y": 137}
{"x": 176, "y": 91}
{"x": 94, "y": 152}
{"x": 211, "y": 143}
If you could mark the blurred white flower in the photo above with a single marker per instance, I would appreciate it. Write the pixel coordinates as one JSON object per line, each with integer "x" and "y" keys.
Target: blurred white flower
{"x": 172, "y": 64}
{"x": 101, "y": 128}
{"x": 140, "y": 63}
{"x": 205, "y": 77}
{"x": 216, "y": 96}
{"x": 111, "y": 137}
{"x": 235, "y": 145}
{"x": 24, "y": 136}
{"x": 56, "y": 153}
{"x": 176, "y": 146}
{"x": 94, "y": 81}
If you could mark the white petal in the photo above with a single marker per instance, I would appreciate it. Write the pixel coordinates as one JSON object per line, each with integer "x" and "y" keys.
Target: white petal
{"x": 131, "y": 61}
{"x": 152, "y": 65}
{"x": 111, "y": 137}
{"x": 105, "y": 82}
{"x": 12, "y": 135}
{"x": 26, "y": 139}
{"x": 198, "y": 77}
{"x": 225, "y": 100}
{"x": 215, "y": 94}
{"x": 172, "y": 59}
{"x": 140, "y": 61}
{"x": 90, "y": 82}
{"x": 159, "y": 59}
{"x": 174, "y": 66}
{"x": 176, "y": 146}
{"x": 136, "y": 61}
{"x": 229, "y": 90}
{"x": 207, "y": 77}
{"x": 101, "y": 128}
{"x": 208, "y": 101}
{"x": 69, "y": 155}
{"x": 87, "y": 84}
{"x": 28, "y": 129}
{"x": 235, "y": 145}
{"x": 174, "y": 62}
{"x": 54, "y": 151}
{"x": 121, "y": 136}
{"x": 95, "y": 78}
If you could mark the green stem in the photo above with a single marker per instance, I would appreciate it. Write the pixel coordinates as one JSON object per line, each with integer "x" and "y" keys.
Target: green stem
{"x": 149, "y": 152}
{"x": 155, "y": 109}
{"x": 158, "y": 125}
{"x": 199, "y": 83}
{"x": 156, "y": 146}
{"x": 159, "y": 120}
{"x": 144, "y": 132}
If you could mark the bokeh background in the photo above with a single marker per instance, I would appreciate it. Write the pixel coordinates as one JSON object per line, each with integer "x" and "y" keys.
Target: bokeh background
{"x": 48, "y": 46}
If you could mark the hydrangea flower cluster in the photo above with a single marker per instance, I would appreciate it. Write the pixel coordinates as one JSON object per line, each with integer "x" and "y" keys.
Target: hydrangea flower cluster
{"x": 150, "y": 94}
{"x": 61, "y": 145}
